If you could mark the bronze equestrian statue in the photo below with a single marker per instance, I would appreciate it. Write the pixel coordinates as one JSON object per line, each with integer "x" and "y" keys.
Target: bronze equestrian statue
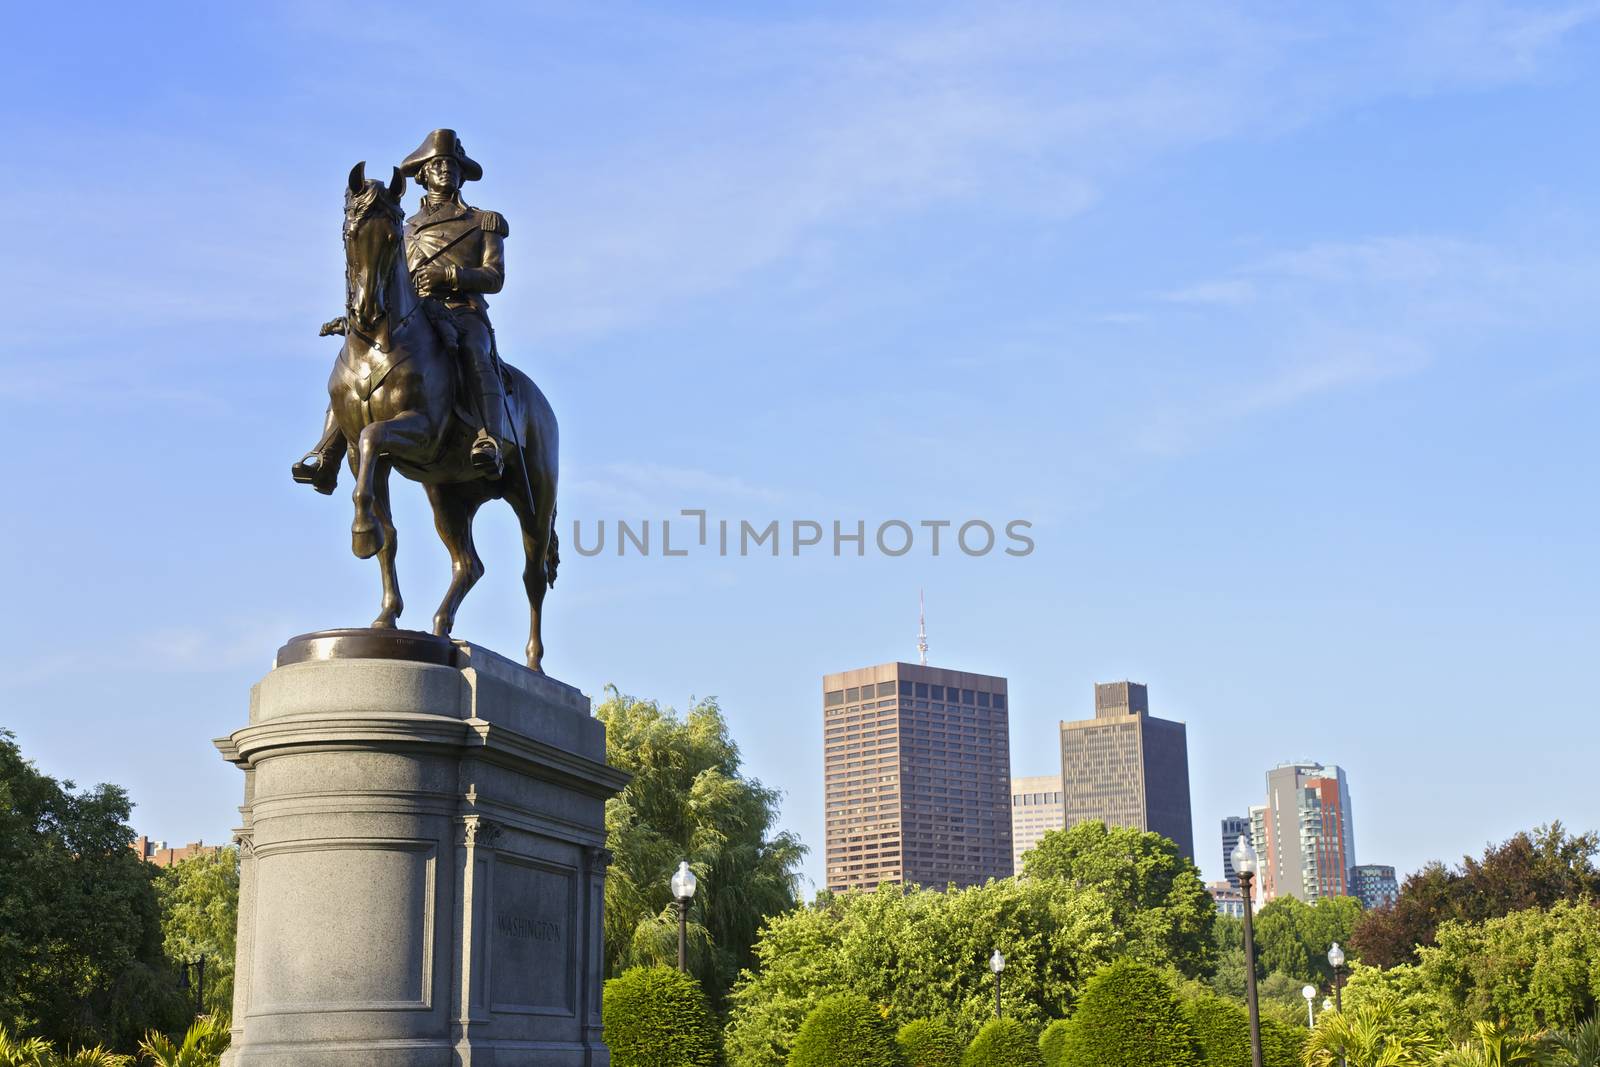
{"x": 419, "y": 386}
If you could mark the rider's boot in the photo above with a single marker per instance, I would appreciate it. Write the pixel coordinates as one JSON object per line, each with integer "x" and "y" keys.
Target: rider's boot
{"x": 323, "y": 474}
{"x": 486, "y": 454}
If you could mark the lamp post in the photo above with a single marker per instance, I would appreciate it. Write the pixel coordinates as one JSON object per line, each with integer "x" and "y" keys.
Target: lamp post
{"x": 199, "y": 966}
{"x": 1245, "y": 862}
{"x": 1336, "y": 961}
{"x": 683, "y": 887}
{"x": 1310, "y": 993}
{"x": 997, "y": 963}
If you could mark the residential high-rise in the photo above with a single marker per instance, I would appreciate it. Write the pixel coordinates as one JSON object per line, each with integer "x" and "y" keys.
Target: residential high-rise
{"x": 1304, "y": 833}
{"x": 917, "y": 777}
{"x": 1036, "y": 809}
{"x": 1374, "y": 884}
{"x": 1233, "y": 828}
{"x": 1124, "y": 767}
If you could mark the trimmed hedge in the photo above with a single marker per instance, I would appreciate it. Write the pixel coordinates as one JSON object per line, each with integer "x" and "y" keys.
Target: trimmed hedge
{"x": 1004, "y": 1043}
{"x": 845, "y": 1029}
{"x": 657, "y": 1017}
{"x": 1129, "y": 1017}
{"x": 929, "y": 1043}
{"x": 1053, "y": 1042}
{"x": 1222, "y": 1032}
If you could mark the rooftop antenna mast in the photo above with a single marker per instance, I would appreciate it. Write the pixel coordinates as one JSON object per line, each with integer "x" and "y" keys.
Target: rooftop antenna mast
{"x": 922, "y": 628}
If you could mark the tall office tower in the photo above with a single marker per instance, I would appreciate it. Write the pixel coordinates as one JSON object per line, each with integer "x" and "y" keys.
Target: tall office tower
{"x": 1374, "y": 884}
{"x": 1304, "y": 833}
{"x": 1233, "y": 828}
{"x": 1124, "y": 767}
{"x": 917, "y": 777}
{"x": 1035, "y": 810}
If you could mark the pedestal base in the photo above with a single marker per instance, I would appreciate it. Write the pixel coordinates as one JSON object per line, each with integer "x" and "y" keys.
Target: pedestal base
{"x": 423, "y": 860}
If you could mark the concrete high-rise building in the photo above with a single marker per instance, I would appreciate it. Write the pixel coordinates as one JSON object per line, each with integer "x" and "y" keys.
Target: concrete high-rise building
{"x": 1124, "y": 767}
{"x": 1036, "y": 809}
{"x": 1304, "y": 833}
{"x": 916, "y": 778}
{"x": 1233, "y": 828}
{"x": 1374, "y": 884}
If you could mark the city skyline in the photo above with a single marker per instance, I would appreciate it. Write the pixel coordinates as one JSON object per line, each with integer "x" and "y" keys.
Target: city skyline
{"x": 1293, "y": 376}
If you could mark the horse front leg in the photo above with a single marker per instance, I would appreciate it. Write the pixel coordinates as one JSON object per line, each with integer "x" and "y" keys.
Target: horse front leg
{"x": 392, "y": 604}
{"x": 399, "y": 434}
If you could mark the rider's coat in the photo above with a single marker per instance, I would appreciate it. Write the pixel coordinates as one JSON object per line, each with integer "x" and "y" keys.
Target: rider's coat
{"x": 466, "y": 241}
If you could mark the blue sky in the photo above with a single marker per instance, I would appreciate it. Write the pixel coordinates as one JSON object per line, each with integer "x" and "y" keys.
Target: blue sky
{"x": 1278, "y": 323}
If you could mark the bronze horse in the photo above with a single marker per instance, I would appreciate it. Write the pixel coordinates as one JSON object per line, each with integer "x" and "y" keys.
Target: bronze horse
{"x": 394, "y": 394}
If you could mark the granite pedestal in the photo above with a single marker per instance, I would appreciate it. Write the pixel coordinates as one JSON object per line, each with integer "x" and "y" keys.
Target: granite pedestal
{"x": 422, "y": 857}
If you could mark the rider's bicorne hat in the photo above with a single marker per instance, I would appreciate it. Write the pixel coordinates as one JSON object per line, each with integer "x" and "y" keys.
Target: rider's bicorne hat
{"x": 441, "y": 143}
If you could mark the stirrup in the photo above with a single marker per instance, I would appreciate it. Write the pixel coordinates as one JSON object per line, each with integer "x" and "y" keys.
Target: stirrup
{"x": 322, "y": 477}
{"x": 486, "y": 456}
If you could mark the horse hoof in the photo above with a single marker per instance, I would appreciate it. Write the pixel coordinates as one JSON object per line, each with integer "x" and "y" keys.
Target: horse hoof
{"x": 366, "y": 543}
{"x": 383, "y": 622}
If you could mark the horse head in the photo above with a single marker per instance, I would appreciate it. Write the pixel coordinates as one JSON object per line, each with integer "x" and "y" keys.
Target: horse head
{"x": 372, "y": 242}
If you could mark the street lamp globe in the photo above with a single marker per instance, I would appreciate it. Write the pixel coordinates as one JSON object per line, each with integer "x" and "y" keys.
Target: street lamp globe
{"x": 1336, "y": 956}
{"x": 1310, "y": 993}
{"x": 997, "y": 962}
{"x": 1244, "y": 857}
{"x": 684, "y": 882}
{"x": 1327, "y": 1003}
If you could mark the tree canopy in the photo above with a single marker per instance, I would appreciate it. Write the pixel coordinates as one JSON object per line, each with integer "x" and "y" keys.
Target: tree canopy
{"x": 199, "y": 900}
{"x": 923, "y": 954}
{"x": 1293, "y": 937}
{"x": 1155, "y": 894}
{"x": 688, "y": 800}
{"x": 1529, "y": 870}
{"x": 80, "y": 929}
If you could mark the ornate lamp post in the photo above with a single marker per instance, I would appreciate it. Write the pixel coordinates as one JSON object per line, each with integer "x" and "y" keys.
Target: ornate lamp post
{"x": 997, "y": 963}
{"x": 1336, "y": 961}
{"x": 1245, "y": 863}
{"x": 199, "y": 967}
{"x": 1310, "y": 993}
{"x": 683, "y": 887}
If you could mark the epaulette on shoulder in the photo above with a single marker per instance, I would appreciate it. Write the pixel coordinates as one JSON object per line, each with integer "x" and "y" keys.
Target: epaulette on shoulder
{"x": 493, "y": 222}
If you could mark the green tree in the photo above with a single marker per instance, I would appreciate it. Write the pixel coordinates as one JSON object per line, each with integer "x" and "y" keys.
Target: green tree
{"x": 929, "y": 1043}
{"x": 1155, "y": 894}
{"x": 923, "y": 954}
{"x": 80, "y": 929}
{"x": 1293, "y": 937}
{"x": 1129, "y": 1017}
{"x": 845, "y": 1028}
{"x": 688, "y": 800}
{"x": 1004, "y": 1043}
{"x": 199, "y": 900}
{"x": 1537, "y": 968}
{"x": 1529, "y": 870}
{"x": 658, "y": 1017}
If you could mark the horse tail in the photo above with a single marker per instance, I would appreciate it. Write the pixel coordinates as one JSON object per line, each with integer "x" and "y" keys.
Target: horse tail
{"x": 552, "y": 557}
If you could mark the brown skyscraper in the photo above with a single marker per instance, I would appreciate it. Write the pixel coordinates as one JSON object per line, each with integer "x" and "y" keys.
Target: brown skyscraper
{"x": 1125, "y": 767}
{"x": 917, "y": 777}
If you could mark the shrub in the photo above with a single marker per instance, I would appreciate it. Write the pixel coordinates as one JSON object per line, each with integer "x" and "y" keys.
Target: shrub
{"x": 1129, "y": 1017}
{"x": 657, "y": 1017}
{"x": 929, "y": 1043}
{"x": 1053, "y": 1042}
{"x": 845, "y": 1029}
{"x": 1004, "y": 1043}
{"x": 1221, "y": 1030}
